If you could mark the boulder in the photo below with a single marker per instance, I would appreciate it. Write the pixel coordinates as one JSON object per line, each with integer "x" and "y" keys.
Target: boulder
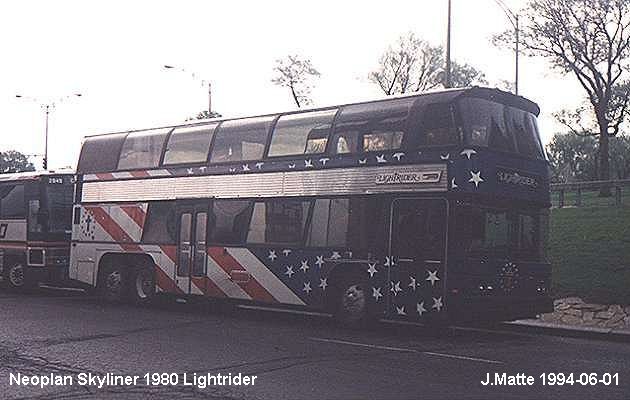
{"x": 572, "y": 300}
{"x": 574, "y": 312}
{"x": 604, "y": 315}
{"x": 591, "y": 307}
{"x": 570, "y": 320}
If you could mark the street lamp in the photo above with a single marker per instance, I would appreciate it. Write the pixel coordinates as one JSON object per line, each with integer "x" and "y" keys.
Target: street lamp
{"x": 196, "y": 77}
{"x": 449, "y": 80}
{"x": 47, "y": 107}
{"x": 513, "y": 18}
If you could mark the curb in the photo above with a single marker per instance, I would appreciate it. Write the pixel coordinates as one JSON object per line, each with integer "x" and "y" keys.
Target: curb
{"x": 608, "y": 334}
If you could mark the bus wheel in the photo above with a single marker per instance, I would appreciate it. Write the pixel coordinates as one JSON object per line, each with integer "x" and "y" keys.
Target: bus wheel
{"x": 112, "y": 284}
{"x": 15, "y": 276}
{"x": 353, "y": 308}
{"x": 143, "y": 285}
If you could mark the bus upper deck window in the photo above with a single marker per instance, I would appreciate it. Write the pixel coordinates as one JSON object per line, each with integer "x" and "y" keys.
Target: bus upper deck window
{"x": 142, "y": 149}
{"x": 439, "y": 126}
{"x": 304, "y": 133}
{"x": 241, "y": 140}
{"x": 376, "y": 126}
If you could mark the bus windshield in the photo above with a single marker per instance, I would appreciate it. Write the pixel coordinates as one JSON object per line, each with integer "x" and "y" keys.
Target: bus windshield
{"x": 501, "y": 231}
{"x": 500, "y": 127}
{"x": 59, "y": 208}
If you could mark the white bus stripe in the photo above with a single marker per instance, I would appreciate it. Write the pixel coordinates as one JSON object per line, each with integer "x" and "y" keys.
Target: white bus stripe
{"x": 220, "y": 278}
{"x": 266, "y": 278}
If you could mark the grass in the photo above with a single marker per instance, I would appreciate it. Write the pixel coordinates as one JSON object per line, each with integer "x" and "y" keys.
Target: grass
{"x": 589, "y": 248}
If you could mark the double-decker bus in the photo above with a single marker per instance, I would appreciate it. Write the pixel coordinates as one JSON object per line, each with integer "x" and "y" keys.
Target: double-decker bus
{"x": 429, "y": 207}
{"x": 35, "y": 227}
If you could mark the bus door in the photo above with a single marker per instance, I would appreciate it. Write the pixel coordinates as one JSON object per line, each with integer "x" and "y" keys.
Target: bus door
{"x": 417, "y": 258}
{"x": 192, "y": 221}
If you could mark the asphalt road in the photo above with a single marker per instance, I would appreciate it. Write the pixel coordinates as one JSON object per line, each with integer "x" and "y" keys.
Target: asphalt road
{"x": 293, "y": 356}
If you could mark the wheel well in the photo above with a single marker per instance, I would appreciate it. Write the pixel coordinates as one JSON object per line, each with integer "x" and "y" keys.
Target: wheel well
{"x": 129, "y": 261}
{"x": 338, "y": 275}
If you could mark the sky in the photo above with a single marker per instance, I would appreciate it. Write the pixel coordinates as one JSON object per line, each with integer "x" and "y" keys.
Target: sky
{"x": 113, "y": 53}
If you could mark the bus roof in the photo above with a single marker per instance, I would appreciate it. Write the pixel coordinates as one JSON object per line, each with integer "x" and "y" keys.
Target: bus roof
{"x": 33, "y": 175}
{"x": 437, "y": 96}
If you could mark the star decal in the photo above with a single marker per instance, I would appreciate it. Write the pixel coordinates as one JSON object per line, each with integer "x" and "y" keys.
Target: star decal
{"x": 324, "y": 160}
{"x": 398, "y": 156}
{"x": 335, "y": 255}
{"x": 246, "y": 167}
{"x": 363, "y": 161}
{"x": 304, "y": 266}
{"x": 308, "y": 164}
{"x": 453, "y": 184}
{"x": 432, "y": 277}
{"x": 259, "y": 165}
{"x": 400, "y": 310}
{"x": 289, "y": 272}
{"x": 395, "y": 288}
{"x": 307, "y": 287}
{"x": 372, "y": 269}
{"x": 445, "y": 156}
{"x": 475, "y": 178}
{"x": 376, "y": 293}
{"x": 190, "y": 171}
{"x": 412, "y": 283}
{"x": 437, "y": 303}
{"x": 381, "y": 159}
{"x": 468, "y": 153}
{"x": 272, "y": 255}
{"x": 291, "y": 166}
{"x": 320, "y": 261}
{"x": 323, "y": 283}
{"x": 286, "y": 252}
{"x": 232, "y": 169}
{"x": 420, "y": 308}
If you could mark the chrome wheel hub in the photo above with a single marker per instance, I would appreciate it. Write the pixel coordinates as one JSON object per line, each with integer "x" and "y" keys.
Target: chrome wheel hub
{"x": 16, "y": 276}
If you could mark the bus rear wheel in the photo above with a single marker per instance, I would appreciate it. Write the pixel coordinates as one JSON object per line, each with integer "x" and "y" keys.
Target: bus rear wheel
{"x": 143, "y": 288}
{"x": 353, "y": 308}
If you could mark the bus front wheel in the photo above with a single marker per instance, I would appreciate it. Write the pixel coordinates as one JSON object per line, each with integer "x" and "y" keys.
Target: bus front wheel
{"x": 113, "y": 284}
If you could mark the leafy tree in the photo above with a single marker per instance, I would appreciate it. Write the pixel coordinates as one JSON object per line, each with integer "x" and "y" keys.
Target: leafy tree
{"x": 414, "y": 65}
{"x": 572, "y": 157}
{"x": 575, "y": 157}
{"x": 296, "y": 73}
{"x": 14, "y": 161}
{"x": 589, "y": 39}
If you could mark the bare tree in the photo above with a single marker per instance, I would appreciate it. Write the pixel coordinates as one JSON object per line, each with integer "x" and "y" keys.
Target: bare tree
{"x": 205, "y": 114}
{"x": 589, "y": 39}
{"x": 296, "y": 73}
{"x": 414, "y": 65}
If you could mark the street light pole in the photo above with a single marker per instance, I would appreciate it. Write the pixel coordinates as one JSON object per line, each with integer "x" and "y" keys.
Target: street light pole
{"x": 513, "y": 18}
{"x": 516, "y": 27}
{"x": 448, "y": 82}
{"x": 203, "y": 82}
{"x": 47, "y": 106}
{"x": 45, "y": 160}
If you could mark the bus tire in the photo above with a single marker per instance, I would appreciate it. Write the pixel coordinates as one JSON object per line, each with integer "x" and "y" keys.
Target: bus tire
{"x": 113, "y": 283}
{"x": 15, "y": 276}
{"x": 353, "y": 306}
{"x": 142, "y": 285}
